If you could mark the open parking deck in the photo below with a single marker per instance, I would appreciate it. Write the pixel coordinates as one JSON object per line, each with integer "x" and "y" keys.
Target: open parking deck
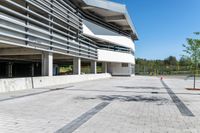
{"x": 115, "y": 105}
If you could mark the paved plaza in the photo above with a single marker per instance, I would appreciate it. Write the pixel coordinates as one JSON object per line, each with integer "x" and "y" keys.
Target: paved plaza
{"x": 116, "y": 105}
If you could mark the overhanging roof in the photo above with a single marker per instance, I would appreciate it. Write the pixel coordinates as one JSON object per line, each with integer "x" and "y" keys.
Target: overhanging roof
{"x": 110, "y": 12}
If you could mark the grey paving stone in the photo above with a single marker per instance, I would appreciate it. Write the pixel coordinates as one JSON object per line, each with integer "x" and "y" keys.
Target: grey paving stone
{"x": 133, "y": 107}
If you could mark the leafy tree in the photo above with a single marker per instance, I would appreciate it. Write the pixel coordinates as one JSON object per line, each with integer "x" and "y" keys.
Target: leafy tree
{"x": 192, "y": 50}
{"x": 171, "y": 61}
{"x": 185, "y": 61}
{"x": 168, "y": 66}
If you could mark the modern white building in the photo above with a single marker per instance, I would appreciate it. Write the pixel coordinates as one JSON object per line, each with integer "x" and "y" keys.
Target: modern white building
{"x": 60, "y": 37}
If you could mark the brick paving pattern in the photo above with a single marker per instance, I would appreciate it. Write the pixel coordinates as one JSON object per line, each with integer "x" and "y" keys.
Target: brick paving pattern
{"x": 134, "y": 105}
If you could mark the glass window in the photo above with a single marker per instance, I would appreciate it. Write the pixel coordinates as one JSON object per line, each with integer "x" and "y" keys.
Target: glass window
{"x": 124, "y": 64}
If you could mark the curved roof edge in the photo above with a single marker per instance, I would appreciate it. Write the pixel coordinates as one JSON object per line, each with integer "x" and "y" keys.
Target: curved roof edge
{"x": 117, "y": 8}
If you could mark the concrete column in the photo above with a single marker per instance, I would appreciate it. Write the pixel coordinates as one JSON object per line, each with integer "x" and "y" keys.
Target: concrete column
{"x": 32, "y": 70}
{"x": 47, "y": 64}
{"x": 77, "y": 65}
{"x": 130, "y": 69}
{"x": 10, "y": 66}
{"x": 133, "y": 69}
{"x": 94, "y": 67}
{"x": 104, "y": 67}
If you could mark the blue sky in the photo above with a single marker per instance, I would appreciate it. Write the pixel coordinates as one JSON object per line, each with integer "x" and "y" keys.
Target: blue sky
{"x": 163, "y": 25}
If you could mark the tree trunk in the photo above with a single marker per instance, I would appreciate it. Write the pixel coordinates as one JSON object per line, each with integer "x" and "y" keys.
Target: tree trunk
{"x": 194, "y": 86}
{"x": 195, "y": 69}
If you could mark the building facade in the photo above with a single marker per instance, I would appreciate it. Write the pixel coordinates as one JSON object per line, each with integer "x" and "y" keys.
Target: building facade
{"x": 59, "y": 37}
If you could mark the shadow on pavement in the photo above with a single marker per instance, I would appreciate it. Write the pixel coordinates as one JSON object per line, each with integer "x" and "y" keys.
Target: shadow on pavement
{"x": 141, "y": 92}
{"x": 138, "y": 98}
{"x": 140, "y": 87}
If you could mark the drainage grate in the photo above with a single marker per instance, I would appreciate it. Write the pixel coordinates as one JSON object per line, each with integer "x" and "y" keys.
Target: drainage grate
{"x": 154, "y": 92}
{"x": 75, "y": 124}
{"x": 185, "y": 111}
{"x": 61, "y": 88}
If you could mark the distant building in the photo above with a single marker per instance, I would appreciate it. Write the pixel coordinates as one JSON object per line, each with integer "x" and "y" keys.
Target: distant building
{"x": 39, "y": 37}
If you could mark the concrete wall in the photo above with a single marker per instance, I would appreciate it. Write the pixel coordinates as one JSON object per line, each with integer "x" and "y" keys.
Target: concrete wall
{"x": 116, "y": 69}
{"x": 113, "y": 56}
{"x": 15, "y": 84}
{"x": 102, "y": 33}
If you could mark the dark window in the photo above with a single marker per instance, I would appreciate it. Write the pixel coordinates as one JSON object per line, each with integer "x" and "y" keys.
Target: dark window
{"x": 3, "y": 69}
{"x": 124, "y": 64}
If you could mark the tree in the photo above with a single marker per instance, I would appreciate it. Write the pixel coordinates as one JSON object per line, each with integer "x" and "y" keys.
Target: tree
{"x": 185, "y": 61}
{"x": 163, "y": 67}
{"x": 192, "y": 50}
{"x": 171, "y": 61}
